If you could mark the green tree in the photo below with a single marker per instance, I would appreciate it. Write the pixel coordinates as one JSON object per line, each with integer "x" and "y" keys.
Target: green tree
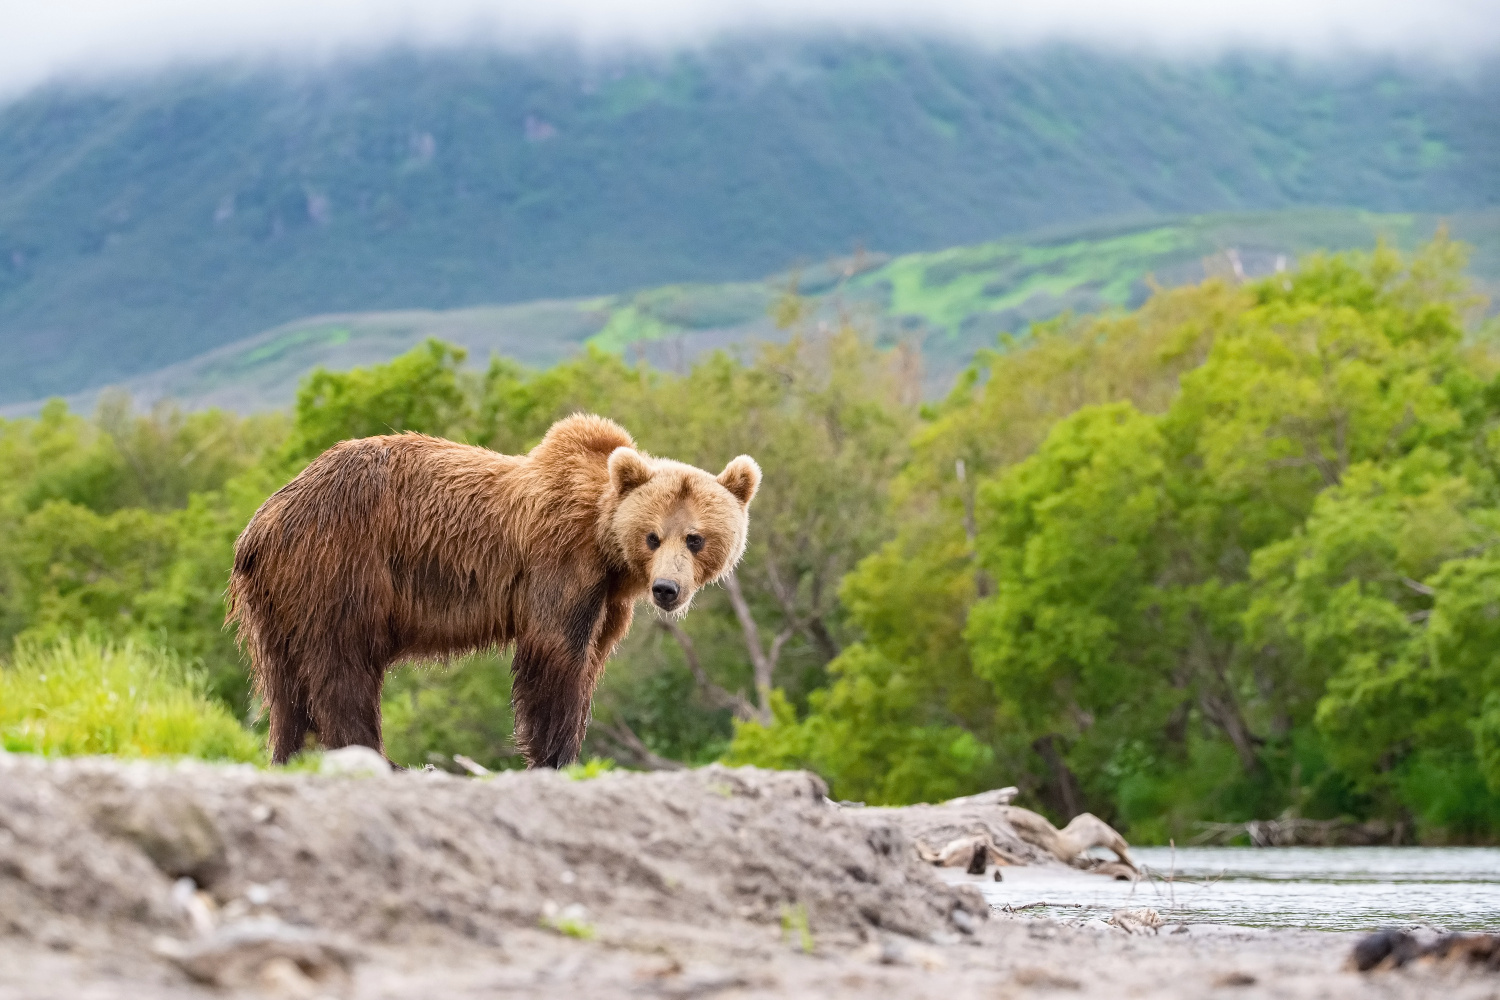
{"x": 422, "y": 390}
{"x": 1257, "y": 581}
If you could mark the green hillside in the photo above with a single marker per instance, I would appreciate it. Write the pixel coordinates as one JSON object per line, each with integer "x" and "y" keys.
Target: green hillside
{"x": 951, "y": 302}
{"x": 148, "y": 221}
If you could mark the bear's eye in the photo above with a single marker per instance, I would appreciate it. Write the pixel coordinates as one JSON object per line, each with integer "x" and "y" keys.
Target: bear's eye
{"x": 652, "y": 542}
{"x": 695, "y": 543}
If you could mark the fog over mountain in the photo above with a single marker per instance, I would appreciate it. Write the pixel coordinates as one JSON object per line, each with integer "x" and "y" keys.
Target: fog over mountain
{"x": 90, "y": 38}
{"x": 175, "y": 176}
{"x": 147, "y": 220}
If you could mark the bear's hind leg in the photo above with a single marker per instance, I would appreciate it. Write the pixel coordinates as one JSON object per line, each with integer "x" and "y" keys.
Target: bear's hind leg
{"x": 346, "y": 705}
{"x": 286, "y": 703}
{"x": 290, "y": 724}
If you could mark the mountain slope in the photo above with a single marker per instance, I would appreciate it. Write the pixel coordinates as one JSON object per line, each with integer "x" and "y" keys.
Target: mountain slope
{"x": 144, "y": 223}
{"x": 949, "y": 302}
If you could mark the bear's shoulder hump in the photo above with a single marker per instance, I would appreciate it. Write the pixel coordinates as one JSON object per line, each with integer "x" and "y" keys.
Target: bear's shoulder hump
{"x": 586, "y": 432}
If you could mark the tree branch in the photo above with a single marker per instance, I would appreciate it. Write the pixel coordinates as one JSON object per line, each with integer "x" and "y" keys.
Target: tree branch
{"x": 983, "y": 585}
{"x": 786, "y": 596}
{"x": 811, "y": 624}
{"x": 781, "y": 638}
{"x": 764, "y": 666}
{"x": 817, "y": 631}
{"x": 627, "y": 746}
{"x": 1222, "y": 710}
{"x": 720, "y": 697}
{"x": 1216, "y": 696}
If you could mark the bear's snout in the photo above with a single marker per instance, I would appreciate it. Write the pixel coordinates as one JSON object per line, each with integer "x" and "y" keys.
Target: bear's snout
{"x": 665, "y": 594}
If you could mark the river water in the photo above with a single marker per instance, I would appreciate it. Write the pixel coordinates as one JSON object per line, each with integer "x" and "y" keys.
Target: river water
{"x": 1326, "y": 888}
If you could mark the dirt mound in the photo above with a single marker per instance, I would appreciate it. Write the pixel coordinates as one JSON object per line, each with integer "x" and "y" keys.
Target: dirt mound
{"x": 188, "y": 881}
{"x": 399, "y": 857}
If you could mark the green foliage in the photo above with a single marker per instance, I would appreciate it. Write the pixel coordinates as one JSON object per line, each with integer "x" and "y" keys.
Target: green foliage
{"x": 591, "y": 768}
{"x": 650, "y": 687}
{"x": 84, "y": 555}
{"x": 124, "y": 526}
{"x": 1070, "y": 537}
{"x": 517, "y": 406}
{"x": 82, "y": 696}
{"x": 418, "y": 391}
{"x": 1450, "y": 798}
{"x": 866, "y": 733}
{"x": 1266, "y": 575}
{"x": 794, "y": 925}
{"x": 1227, "y": 556}
{"x": 122, "y": 459}
{"x": 569, "y": 924}
{"x": 463, "y": 707}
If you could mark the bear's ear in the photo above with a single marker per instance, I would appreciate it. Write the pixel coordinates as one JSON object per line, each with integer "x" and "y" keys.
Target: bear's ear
{"x": 627, "y": 469}
{"x": 741, "y": 477}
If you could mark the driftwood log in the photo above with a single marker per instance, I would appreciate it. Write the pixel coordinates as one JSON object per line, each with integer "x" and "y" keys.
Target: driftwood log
{"x": 977, "y": 831}
{"x": 1295, "y": 831}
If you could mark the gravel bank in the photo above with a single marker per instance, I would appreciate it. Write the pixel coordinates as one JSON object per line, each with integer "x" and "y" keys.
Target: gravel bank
{"x": 191, "y": 880}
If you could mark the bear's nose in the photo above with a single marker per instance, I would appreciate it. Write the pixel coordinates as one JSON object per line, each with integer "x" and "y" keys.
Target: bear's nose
{"x": 665, "y": 592}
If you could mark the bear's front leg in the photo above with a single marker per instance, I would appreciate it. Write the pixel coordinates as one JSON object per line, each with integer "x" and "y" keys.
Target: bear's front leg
{"x": 552, "y": 689}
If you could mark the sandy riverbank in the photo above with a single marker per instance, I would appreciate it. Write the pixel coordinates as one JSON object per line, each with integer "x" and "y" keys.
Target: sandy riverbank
{"x": 710, "y": 883}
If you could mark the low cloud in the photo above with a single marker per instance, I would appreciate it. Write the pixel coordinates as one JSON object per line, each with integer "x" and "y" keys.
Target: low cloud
{"x": 43, "y": 40}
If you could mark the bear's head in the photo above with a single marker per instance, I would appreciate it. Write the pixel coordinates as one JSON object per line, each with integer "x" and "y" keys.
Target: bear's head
{"x": 676, "y": 527}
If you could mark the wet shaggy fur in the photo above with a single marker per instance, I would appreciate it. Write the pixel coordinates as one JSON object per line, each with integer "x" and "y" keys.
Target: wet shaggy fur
{"x": 407, "y": 546}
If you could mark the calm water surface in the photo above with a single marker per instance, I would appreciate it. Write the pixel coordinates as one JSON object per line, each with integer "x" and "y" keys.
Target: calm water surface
{"x": 1327, "y": 888}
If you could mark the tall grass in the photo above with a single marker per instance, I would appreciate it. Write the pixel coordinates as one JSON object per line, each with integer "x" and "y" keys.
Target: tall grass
{"x": 82, "y": 696}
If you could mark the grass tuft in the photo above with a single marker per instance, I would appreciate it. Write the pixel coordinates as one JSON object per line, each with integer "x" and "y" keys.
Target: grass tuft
{"x": 794, "y": 925}
{"x": 591, "y": 768}
{"x": 77, "y": 696}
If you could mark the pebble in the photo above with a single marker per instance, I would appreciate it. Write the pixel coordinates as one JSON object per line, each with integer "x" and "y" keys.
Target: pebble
{"x": 356, "y": 761}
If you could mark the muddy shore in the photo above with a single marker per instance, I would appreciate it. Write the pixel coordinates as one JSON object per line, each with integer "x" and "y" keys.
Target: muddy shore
{"x": 190, "y": 880}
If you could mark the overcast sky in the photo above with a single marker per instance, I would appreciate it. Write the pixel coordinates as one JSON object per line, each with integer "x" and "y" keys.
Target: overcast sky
{"x": 40, "y": 39}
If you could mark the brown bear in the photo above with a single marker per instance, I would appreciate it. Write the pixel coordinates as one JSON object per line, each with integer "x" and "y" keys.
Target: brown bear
{"x": 407, "y": 546}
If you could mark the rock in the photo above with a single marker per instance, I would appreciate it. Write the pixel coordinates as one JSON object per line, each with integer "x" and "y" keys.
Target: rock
{"x": 172, "y": 830}
{"x": 1375, "y": 948}
{"x": 197, "y": 905}
{"x": 283, "y": 977}
{"x": 1046, "y": 979}
{"x": 1235, "y": 979}
{"x": 964, "y": 921}
{"x": 252, "y": 952}
{"x": 1392, "y": 949}
{"x": 355, "y": 760}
